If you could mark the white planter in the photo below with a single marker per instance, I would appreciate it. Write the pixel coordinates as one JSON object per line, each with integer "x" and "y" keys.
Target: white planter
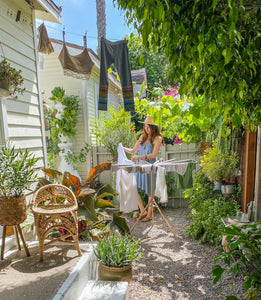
{"x": 227, "y": 189}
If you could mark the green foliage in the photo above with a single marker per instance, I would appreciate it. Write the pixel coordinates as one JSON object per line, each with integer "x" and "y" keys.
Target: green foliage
{"x": 156, "y": 64}
{"x": 213, "y": 49}
{"x": 17, "y": 171}
{"x": 188, "y": 117}
{"x": 218, "y": 167}
{"x": 93, "y": 218}
{"x": 206, "y": 210}
{"x": 243, "y": 258}
{"x": 13, "y": 76}
{"x": 113, "y": 128}
{"x": 117, "y": 251}
{"x": 64, "y": 126}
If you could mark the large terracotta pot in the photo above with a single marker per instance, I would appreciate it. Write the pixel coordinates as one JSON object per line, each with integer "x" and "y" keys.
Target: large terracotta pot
{"x": 114, "y": 273}
{"x": 12, "y": 211}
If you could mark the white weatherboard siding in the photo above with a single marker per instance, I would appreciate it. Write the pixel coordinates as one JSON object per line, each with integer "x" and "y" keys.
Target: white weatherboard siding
{"x": 52, "y": 76}
{"x": 23, "y": 114}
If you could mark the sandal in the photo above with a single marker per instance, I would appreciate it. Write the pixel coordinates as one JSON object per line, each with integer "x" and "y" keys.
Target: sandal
{"x": 146, "y": 219}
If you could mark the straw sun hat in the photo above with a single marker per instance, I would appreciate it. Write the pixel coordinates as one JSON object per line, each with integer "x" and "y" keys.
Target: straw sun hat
{"x": 149, "y": 121}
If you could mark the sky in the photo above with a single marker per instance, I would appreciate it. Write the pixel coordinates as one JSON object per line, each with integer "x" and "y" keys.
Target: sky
{"x": 79, "y": 17}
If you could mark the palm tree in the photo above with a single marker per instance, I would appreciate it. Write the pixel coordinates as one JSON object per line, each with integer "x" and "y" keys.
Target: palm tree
{"x": 101, "y": 21}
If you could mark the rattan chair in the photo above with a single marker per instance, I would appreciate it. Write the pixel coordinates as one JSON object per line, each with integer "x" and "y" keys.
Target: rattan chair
{"x": 55, "y": 207}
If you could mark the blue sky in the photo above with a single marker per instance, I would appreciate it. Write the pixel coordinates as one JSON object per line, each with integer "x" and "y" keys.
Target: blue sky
{"x": 79, "y": 16}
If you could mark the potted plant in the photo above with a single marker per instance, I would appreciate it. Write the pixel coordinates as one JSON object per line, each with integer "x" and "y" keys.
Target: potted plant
{"x": 11, "y": 80}
{"x": 17, "y": 173}
{"x": 115, "y": 255}
{"x": 220, "y": 168}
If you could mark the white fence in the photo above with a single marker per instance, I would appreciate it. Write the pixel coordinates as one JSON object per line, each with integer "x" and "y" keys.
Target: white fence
{"x": 178, "y": 151}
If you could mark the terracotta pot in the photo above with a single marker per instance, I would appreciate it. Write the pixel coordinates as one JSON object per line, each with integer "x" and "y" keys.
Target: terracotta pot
{"x": 114, "y": 273}
{"x": 4, "y": 88}
{"x": 12, "y": 211}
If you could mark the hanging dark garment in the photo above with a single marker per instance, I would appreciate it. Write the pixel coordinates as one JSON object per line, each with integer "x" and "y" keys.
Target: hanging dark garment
{"x": 78, "y": 66}
{"x": 44, "y": 44}
{"x": 115, "y": 53}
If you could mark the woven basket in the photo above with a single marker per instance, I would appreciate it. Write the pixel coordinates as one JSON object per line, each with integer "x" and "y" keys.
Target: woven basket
{"x": 12, "y": 211}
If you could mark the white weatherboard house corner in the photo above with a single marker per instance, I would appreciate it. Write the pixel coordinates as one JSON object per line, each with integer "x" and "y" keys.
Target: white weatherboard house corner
{"x": 21, "y": 117}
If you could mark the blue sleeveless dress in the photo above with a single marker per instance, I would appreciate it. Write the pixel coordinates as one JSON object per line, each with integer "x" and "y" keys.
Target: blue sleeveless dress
{"x": 144, "y": 180}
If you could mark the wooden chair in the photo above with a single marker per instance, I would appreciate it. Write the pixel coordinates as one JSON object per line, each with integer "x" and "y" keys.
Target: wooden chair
{"x": 55, "y": 207}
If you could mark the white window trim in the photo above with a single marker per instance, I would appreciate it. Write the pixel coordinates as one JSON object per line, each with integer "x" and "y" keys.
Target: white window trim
{"x": 3, "y": 121}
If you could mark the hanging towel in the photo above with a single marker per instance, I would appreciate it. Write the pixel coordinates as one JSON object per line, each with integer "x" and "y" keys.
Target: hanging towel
{"x": 78, "y": 66}
{"x": 44, "y": 44}
{"x": 161, "y": 186}
{"x": 185, "y": 181}
{"x": 126, "y": 184}
{"x": 115, "y": 53}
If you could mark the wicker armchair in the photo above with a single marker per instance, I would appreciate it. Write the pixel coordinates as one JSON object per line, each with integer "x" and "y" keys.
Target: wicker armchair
{"x": 55, "y": 207}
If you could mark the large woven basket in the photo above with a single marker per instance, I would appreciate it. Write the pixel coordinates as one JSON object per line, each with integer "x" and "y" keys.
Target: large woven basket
{"x": 12, "y": 211}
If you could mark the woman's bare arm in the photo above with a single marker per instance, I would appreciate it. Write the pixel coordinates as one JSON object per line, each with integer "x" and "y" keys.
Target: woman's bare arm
{"x": 134, "y": 149}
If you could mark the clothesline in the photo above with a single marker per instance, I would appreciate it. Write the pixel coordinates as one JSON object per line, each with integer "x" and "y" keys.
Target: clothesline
{"x": 172, "y": 165}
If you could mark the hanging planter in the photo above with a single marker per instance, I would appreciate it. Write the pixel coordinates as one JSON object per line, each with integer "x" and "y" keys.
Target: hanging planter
{"x": 4, "y": 88}
{"x": 11, "y": 80}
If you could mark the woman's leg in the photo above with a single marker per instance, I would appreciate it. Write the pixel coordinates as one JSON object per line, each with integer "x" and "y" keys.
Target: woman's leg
{"x": 141, "y": 206}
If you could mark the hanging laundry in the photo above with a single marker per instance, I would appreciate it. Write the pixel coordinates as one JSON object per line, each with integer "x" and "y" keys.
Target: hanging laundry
{"x": 161, "y": 186}
{"x": 78, "y": 66}
{"x": 126, "y": 184}
{"x": 115, "y": 53}
{"x": 185, "y": 181}
{"x": 44, "y": 44}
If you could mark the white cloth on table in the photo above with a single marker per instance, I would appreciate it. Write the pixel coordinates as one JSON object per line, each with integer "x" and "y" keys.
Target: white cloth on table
{"x": 126, "y": 184}
{"x": 161, "y": 186}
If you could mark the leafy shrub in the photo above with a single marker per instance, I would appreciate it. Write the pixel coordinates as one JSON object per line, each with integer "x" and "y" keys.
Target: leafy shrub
{"x": 243, "y": 258}
{"x": 114, "y": 127}
{"x": 17, "y": 171}
{"x": 218, "y": 167}
{"x": 206, "y": 210}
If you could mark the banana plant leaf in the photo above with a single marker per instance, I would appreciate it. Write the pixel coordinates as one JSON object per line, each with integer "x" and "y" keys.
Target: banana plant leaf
{"x": 96, "y": 171}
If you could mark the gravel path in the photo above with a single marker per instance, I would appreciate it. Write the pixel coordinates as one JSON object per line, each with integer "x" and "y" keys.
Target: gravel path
{"x": 176, "y": 267}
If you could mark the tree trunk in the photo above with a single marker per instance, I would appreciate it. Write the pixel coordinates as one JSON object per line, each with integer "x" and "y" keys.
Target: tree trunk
{"x": 101, "y": 21}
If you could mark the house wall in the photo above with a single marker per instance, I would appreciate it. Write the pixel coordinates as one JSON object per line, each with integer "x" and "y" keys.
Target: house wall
{"x": 23, "y": 119}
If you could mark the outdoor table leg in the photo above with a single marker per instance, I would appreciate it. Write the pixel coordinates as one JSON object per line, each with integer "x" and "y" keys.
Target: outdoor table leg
{"x": 3, "y": 243}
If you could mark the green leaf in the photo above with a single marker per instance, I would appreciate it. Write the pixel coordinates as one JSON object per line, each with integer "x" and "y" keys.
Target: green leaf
{"x": 141, "y": 59}
{"x": 120, "y": 222}
{"x": 227, "y": 55}
{"x": 87, "y": 210}
{"x": 217, "y": 271}
{"x": 102, "y": 203}
{"x": 176, "y": 8}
